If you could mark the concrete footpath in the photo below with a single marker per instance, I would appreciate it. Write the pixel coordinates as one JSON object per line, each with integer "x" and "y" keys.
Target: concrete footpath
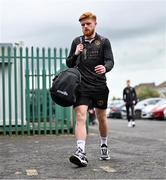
{"x": 136, "y": 153}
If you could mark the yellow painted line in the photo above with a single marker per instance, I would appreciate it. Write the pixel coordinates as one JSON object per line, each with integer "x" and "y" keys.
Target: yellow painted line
{"x": 108, "y": 169}
{"x": 31, "y": 172}
{"x": 18, "y": 173}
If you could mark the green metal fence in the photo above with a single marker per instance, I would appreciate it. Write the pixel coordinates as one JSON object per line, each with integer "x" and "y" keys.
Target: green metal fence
{"x": 25, "y": 103}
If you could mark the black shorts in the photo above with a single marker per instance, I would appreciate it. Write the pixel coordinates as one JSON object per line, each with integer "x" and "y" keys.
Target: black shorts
{"x": 96, "y": 100}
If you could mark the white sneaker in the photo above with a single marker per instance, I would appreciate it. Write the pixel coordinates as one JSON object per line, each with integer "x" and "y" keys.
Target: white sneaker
{"x": 133, "y": 123}
{"x": 79, "y": 158}
{"x": 129, "y": 124}
{"x": 104, "y": 152}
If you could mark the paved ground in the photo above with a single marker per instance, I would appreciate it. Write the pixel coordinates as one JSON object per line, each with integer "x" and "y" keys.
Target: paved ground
{"x": 136, "y": 153}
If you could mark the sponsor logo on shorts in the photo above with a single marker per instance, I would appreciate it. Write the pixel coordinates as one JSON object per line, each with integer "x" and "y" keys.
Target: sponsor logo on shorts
{"x": 100, "y": 102}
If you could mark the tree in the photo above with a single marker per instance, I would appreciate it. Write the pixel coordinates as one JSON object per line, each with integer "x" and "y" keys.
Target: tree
{"x": 146, "y": 92}
{"x": 116, "y": 98}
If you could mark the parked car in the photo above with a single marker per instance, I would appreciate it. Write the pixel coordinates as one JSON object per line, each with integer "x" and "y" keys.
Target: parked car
{"x": 115, "y": 111}
{"x": 165, "y": 113}
{"x": 144, "y": 103}
{"x": 147, "y": 111}
{"x": 140, "y": 106}
{"x": 113, "y": 103}
{"x": 123, "y": 112}
{"x": 158, "y": 112}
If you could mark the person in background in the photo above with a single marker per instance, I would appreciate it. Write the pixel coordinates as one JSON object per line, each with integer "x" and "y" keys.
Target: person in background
{"x": 92, "y": 115}
{"x": 93, "y": 56}
{"x": 130, "y": 99}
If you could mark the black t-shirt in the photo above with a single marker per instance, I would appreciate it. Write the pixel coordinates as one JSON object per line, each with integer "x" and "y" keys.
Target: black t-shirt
{"x": 96, "y": 52}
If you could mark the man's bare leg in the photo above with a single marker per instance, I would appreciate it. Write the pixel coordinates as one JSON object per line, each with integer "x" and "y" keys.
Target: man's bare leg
{"x": 80, "y": 128}
{"x": 103, "y": 129}
{"x": 103, "y": 122}
{"x": 79, "y": 157}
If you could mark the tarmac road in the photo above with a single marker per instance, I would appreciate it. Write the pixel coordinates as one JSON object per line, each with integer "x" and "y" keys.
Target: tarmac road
{"x": 136, "y": 153}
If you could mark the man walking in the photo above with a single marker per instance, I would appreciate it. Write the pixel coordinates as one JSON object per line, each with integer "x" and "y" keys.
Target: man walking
{"x": 130, "y": 99}
{"x": 93, "y": 56}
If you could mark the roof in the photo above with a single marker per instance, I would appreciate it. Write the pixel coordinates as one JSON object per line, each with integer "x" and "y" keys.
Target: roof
{"x": 6, "y": 44}
{"x": 163, "y": 84}
{"x": 149, "y": 85}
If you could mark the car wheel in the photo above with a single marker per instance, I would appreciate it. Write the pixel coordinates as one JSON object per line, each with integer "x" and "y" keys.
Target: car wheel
{"x": 123, "y": 116}
{"x": 138, "y": 114}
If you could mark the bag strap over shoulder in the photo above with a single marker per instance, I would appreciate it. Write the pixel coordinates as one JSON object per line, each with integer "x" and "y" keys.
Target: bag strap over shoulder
{"x": 78, "y": 58}
{"x": 81, "y": 39}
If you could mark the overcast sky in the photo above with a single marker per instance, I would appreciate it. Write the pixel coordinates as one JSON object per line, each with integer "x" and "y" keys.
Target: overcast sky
{"x": 135, "y": 28}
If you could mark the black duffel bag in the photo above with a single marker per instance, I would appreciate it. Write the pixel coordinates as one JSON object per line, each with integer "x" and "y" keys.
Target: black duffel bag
{"x": 64, "y": 87}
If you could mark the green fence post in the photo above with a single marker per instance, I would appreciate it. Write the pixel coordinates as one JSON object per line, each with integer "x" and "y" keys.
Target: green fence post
{"x": 66, "y": 53}
{"x": 21, "y": 87}
{"x": 32, "y": 117}
{"x": 27, "y": 92}
{"x": 55, "y": 106}
{"x": 49, "y": 97}
{"x": 9, "y": 90}
{"x": 44, "y": 89}
{"x": 38, "y": 91}
{"x": 15, "y": 90}
{"x": 3, "y": 90}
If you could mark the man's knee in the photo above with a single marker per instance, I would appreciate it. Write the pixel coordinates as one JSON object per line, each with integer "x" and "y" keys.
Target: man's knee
{"x": 81, "y": 112}
{"x": 101, "y": 115}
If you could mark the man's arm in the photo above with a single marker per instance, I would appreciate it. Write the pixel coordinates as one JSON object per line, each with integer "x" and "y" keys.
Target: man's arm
{"x": 71, "y": 59}
{"x": 108, "y": 55}
{"x": 135, "y": 96}
{"x": 124, "y": 95}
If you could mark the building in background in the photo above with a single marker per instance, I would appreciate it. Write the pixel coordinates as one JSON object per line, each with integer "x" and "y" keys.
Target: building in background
{"x": 161, "y": 88}
{"x": 9, "y": 84}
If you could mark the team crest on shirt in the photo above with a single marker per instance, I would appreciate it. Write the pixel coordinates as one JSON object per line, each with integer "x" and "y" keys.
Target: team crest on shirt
{"x": 97, "y": 42}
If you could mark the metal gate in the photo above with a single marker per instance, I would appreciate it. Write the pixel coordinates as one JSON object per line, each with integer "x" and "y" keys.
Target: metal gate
{"x": 25, "y": 103}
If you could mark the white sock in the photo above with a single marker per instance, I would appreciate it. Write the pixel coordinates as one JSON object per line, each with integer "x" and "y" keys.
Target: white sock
{"x": 81, "y": 144}
{"x": 104, "y": 140}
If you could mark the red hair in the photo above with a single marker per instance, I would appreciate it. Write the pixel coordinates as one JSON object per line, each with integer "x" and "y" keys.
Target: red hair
{"x": 87, "y": 15}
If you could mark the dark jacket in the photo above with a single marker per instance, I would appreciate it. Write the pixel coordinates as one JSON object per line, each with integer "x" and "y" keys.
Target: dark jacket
{"x": 98, "y": 52}
{"x": 129, "y": 96}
